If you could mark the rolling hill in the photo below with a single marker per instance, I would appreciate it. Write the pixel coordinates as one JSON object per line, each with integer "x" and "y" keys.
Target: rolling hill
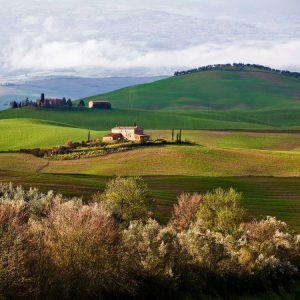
{"x": 232, "y": 99}
{"x": 253, "y": 114}
{"x": 211, "y": 90}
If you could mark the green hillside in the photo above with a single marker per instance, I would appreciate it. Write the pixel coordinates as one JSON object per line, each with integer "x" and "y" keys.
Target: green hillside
{"x": 208, "y": 100}
{"x": 216, "y": 90}
{"x": 18, "y": 134}
{"x": 106, "y": 119}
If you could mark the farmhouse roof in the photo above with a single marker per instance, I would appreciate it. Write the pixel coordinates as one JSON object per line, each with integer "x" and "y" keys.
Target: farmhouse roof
{"x": 99, "y": 101}
{"x": 126, "y": 127}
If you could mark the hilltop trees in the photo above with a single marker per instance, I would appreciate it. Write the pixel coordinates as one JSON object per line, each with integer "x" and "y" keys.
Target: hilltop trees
{"x": 238, "y": 67}
{"x": 14, "y": 104}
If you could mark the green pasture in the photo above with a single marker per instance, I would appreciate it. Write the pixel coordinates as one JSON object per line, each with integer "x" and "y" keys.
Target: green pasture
{"x": 217, "y": 90}
{"x": 246, "y": 126}
{"x": 233, "y": 139}
{"x": 19, "y": 134}
{"x": 96, "y": 119}
{"x": 186, "y": 160}
{"x": 263, "y": 195}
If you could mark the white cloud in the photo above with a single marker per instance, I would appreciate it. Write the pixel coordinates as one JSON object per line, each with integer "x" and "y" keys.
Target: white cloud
{"x": 96, "y": 37}
{"x": 103, "y": 55}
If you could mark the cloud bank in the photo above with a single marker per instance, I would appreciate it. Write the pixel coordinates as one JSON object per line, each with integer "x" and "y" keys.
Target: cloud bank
{"x": 134, "y": 38}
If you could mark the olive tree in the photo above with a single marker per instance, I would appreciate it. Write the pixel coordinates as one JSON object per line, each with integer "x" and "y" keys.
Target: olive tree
{"x": 126, "y": 198}
{"x": 220, "y": 210}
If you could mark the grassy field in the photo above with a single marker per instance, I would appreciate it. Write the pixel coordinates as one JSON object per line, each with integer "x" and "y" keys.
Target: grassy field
{"x": 106, "y": 119}
{"x": 32, "y": 133}
{"x": 27, "y": 133}
{"x": 263, "y": 162}
{"x": 208, "y": 100}
{"x": 233, "y": 139}
{"x": 279, "y": 196}
{"x": 186, "y": 160}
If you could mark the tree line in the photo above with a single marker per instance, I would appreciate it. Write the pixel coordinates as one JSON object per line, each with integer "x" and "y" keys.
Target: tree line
{"x": 111, "y": 247}
{"x": 30, "y": 103}
{"x": 237, "y": 67}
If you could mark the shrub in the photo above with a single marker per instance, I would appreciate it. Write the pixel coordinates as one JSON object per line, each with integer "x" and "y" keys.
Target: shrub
{"x": 15, "y": 252}
{"x": 69, "y": 143}
{"x": 184, "y": 212}
{"x": 56, "y": 248}
{"x": 208, "y": 250}
{"x": 35, "y": 203}
{"x": 152, "y": 251}
{"x": 127, "y": 198}
{"x": 268, "y": 246}
{"x": 220, "y": 211}
{"x": 83, "y": 243}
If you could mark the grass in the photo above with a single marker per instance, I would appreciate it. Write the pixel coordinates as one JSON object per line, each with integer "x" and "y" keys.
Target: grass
{"x": 233, "y": 139}
{"x": 261, "y": 163}
{"x": 278, "y": 196}
{"x": 186, "y": 160}
{"x": 263, "y": 195}
{"x": 106, "y": 119}
{"x": 221, "y": 90}
{"x": 27, "y": 133}
{"x": 32, "y": 133}
{"x": 208, "y": 100}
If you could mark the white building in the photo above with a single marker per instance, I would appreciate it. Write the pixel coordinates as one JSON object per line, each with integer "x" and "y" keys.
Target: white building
{"x": 130, "y": 133}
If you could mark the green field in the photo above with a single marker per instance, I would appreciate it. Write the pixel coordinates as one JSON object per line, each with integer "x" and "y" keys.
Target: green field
{"x": 208, "y": 100}
{"x": 234, "y": 139}
{"x": 185, "y": 160}
{"x": 19, "y": 134}
{"x": 32, "y": 133}
{"x": 104, "y": 119}
{"x": 250, "y": 140}
{"x": 171, "y": 170}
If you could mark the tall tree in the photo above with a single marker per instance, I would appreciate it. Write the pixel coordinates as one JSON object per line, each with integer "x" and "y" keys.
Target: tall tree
{"x": 13, "y": 104}
{"x": 81, "y": 103}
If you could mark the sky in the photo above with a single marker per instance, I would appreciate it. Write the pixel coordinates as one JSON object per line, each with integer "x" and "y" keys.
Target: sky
{"x": 140, "y": 38}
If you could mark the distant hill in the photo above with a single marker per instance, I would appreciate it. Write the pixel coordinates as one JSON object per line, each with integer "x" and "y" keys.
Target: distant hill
{"x": 215, "y": 99}
{"x": 229, "y": 89}
{"x": 65, "y": 86}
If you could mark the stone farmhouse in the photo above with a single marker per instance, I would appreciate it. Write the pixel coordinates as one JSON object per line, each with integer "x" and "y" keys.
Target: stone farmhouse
{"x": 130, "y": 133}
{"x": 99, "y": 104}
{"x": 50, "y": 102}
